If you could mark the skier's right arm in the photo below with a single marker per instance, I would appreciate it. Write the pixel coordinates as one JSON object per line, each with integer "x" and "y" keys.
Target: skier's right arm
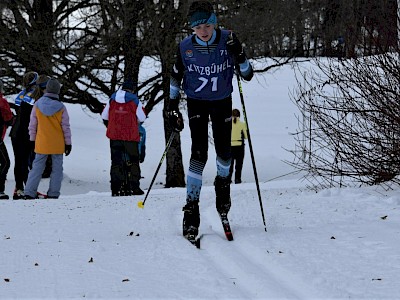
{"x": 176, "y": 77}
{"x": 174, "y": 115}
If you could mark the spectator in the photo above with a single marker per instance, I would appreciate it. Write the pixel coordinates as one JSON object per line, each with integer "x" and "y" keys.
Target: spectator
{"x": 122, "y": 115}
{"x": 19, "y": 133}
{"x": 50, "y": 134}
{"x": 239, "y": 134}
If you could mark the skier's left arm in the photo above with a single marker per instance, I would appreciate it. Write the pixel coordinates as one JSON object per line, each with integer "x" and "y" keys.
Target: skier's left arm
{"x": 235, "y": 47}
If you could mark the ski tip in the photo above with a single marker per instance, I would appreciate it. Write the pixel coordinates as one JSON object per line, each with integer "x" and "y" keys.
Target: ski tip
{"x": 229, "y": 236}
{"x": 195, "y": 241}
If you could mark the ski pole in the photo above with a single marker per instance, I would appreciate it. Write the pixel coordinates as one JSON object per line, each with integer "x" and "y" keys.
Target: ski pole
{"x": 251, "y": 148}
{"x": 171, "y": 138}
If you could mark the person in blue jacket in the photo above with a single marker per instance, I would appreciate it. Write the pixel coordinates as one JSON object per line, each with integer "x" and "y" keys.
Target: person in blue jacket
{"x": 205, "y": 65}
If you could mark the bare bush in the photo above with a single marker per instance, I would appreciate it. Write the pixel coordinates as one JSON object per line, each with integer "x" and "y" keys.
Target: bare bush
{"x": 350, "y": 127}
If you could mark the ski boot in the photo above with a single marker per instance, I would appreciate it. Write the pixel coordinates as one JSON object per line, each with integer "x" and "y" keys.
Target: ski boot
{"x": 191, "y": 221}
{"x": 18, "y": 194}
{"x": 223, "y": 203}
{"x": 223, "y": 194}
{"x": 4, "y": 196}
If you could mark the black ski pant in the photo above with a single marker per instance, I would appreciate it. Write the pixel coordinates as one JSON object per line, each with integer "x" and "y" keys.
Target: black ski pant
{"x": 125, "y": 169}
{"x": 237, "y": 162}
{"x": 200, "y": 112}
{"x": 22, "y": 152}
{"x": 4, "y": 165}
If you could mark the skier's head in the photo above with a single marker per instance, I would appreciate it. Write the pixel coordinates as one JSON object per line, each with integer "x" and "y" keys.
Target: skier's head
{"x": 202, "y": 19}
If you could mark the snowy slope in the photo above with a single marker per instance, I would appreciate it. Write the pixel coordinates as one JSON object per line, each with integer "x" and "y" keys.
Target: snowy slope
{"x": 335, "y": 244}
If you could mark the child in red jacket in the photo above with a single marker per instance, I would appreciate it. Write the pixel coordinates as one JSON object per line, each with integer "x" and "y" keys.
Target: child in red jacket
{"x": 6, "y": 119}
{"x": 121, "y": 115}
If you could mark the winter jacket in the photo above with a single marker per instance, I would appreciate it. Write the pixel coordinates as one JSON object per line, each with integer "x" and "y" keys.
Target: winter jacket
{"x": 123, "y": 113}
{"x": 206, "y": 68}
{"x": 24, "y": 102}
{"x": 239, "y": 133}
{"x": 6, "y": 116}
{"x": 49, "y": 125}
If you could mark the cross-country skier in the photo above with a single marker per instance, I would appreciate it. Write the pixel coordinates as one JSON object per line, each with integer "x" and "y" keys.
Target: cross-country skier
{"x": 205, "y": 63}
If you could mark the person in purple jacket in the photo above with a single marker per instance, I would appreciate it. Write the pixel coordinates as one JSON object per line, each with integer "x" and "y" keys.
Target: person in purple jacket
{"x": 50, "y": 134}
{"x": 205, "y": 64}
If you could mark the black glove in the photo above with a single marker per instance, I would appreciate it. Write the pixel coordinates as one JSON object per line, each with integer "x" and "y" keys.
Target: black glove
{"x": 174, "y": 115}
{"x": 235, "y": 48}
{"x": 175, "y": 120}
{"x": 68, "y": 149}
{"x": 32, "y": 145}
{"x": 105, "y": 122}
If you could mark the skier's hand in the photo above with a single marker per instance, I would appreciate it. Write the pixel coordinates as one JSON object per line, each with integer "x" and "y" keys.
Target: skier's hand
{"x": 235, "y": 48}
{"x": 175, "y": 120}
{"x": 68, "y": 149}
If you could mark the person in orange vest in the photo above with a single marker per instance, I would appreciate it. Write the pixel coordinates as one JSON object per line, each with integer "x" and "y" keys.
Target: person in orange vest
{"x": 50, "y": 134}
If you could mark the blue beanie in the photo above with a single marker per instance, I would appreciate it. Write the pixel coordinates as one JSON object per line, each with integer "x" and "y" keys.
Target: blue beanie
{"x": 129, "y": 84}
{"x": 202, "y": 17}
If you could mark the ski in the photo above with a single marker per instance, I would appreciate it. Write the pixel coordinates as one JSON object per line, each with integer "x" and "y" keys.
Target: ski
{"x": 226, "y": 226}
{"x": 195, "y": 241}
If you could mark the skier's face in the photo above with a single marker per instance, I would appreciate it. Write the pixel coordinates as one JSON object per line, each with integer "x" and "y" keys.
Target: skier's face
{"x": 204, "y": 31}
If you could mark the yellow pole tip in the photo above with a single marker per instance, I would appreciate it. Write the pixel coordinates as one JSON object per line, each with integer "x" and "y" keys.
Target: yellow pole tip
{"x": 140, "y": 204}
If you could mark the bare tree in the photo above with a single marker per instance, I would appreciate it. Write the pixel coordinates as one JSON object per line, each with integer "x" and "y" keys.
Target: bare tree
{"x": 351, "y": 122}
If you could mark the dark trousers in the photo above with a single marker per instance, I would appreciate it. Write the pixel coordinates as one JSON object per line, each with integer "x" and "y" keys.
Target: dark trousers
{"x": 200, "y": 113}
{"x": 22, "y": 152}
{"x": 237, "y": 162}
{"x": 4, "y": 165}
{"x": 125, "y": 170}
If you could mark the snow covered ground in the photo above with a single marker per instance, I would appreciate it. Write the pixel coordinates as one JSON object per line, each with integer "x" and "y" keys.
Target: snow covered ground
{"x": 334, "y": 244}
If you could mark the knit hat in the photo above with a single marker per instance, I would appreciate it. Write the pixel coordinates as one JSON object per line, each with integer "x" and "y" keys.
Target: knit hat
{"x": 129, "y": 84}
{"x": 53, "y": 86}
{"x": 201, "y": 12}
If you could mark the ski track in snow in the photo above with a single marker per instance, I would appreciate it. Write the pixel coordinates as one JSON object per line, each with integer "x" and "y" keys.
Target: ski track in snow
{"x": 250, "y": 270}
